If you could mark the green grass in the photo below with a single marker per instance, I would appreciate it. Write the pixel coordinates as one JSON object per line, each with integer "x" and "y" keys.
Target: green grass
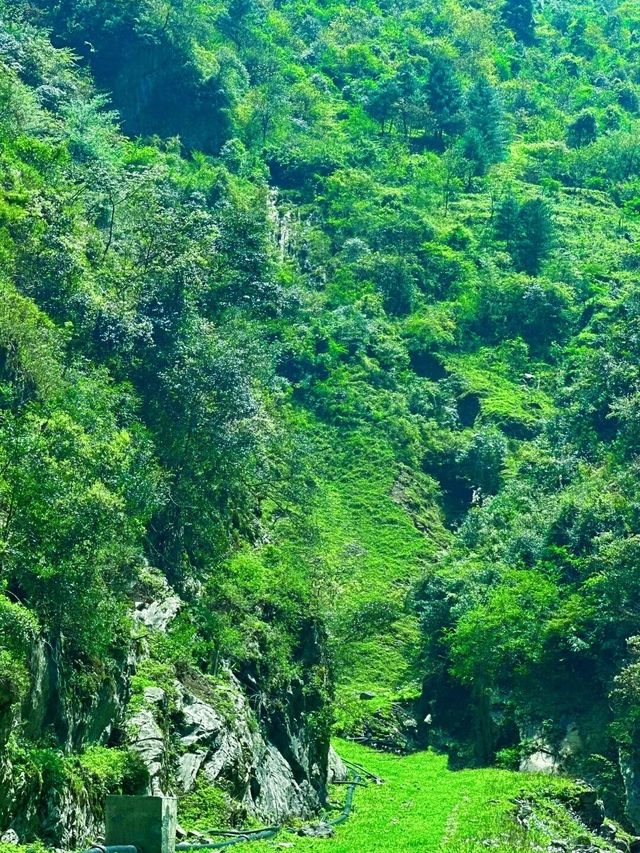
{"x": 374, "y": 553}
{"x": 423, "y": 806}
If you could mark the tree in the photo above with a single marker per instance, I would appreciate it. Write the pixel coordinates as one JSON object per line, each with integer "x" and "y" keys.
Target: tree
{"x": 381, "y": 102}
{"x": 506, "y": 219}
{"x": 583, "y": 130}
{"x": 485, "y": 139}
{"x": 527, "y": 230}
{"x": 395, "y": 277}
{"x": 535, "y": 237}
{"x": 444, "y": 96}
{"x": 518, "y": 16}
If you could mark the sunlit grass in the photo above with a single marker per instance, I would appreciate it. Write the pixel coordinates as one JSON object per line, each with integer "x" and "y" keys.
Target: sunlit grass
{"x": 423, "y": 806}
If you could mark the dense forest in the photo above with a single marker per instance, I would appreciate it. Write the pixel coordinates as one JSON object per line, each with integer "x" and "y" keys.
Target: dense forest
{"x": 319, "y": 397}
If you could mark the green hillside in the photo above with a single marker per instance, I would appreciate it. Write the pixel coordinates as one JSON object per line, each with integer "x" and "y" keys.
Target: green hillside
{"x": 319, "y": 400}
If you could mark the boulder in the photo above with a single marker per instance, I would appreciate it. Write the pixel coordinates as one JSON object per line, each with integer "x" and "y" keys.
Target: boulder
{"x": 608, "y": 831}
{"x": 590, "y": 808}
{"x": 10, "y": 837}
{"x": 317, "y": 830}
{"x": 155, "y": 696}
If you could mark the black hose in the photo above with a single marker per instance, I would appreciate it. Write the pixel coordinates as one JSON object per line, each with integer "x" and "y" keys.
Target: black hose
{"x": 236, "y": 832}
{"x": 348, "y": 801}
{"x": 243, "y": 835}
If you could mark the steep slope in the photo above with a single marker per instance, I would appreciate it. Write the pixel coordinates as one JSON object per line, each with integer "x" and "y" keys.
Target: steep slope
{"x": 339, "y": 336}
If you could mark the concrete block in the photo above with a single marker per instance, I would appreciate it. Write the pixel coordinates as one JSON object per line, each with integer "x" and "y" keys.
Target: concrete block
{"x": 147, "y": 822}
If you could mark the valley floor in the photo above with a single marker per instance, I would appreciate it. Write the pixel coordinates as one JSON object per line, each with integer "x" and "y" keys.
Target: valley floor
{"x": 423, "y": 806}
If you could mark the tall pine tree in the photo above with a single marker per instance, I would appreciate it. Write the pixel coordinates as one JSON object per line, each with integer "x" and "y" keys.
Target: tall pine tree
{"x": 444, "y": 96}
{"x": 527, "y": 231}
{"x": 485, "y": 139}
{"x": 536, "y": 236}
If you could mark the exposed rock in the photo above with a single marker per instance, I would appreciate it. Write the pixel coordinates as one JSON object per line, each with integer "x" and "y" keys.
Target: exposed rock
{"x": 158, "y": 615}
{"x": 317, "y": 830}
{"x": 572, "y": 744}
{"x": 269, "y": 761}
{"x": 541, "y": 761}
{"x": 366, "y": 695}
{"x": 188, "y": 769}
{"x": 274, "y": 786}
{"x": 227, "y": 754}
{"x": 590, "y": 808}
{"x": 155, "y": 696}
{"x": 202, "y": 723}
{"x": 608, "y": 831}
{"x": 147, "y": 739}
{"x": 337, "y": 769}
{"x": 630, "y": 769}
{"x": 10, "y": 837}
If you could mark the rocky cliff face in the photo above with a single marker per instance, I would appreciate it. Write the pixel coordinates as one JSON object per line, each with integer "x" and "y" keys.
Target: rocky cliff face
{"x": 182, "y": 734}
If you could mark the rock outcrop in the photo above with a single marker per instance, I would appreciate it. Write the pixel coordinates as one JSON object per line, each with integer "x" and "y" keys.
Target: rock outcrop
{"x": 194, "y": 730}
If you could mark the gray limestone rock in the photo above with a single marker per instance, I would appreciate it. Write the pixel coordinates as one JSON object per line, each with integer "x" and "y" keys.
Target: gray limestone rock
{"x": 202, "y": 723}
{"x": 188, "y": 768}
{"x": 541, "y": 761}
{"x": 158, "y": 615}
{"x": 591, "y": 808}
{"x": 630, "y": 769}
{"x": 10, "y": 837}
{"x": 318, "y": 830}
{"x": 269, "y": 760}
{"x": 608, "y": 830}
{"x": 147, "y": 739}
{"x": 155, "y": 696}
{"x": 337, "y": 769}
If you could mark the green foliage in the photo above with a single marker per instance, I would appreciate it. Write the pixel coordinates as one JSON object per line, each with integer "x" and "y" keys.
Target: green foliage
{"x": 527, "y": 231}
{"x": 207, "y": 807}
{"x": 380, "y": 323}
{"x": 583, "y": 129}
{"x": 485, "y": 140}
{"x": 113, "y": 771}
{"x": 444, "y": 96}
{"x": 17, "y": 631}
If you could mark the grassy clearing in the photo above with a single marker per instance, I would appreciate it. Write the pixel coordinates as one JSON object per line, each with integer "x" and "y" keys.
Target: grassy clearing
{"x": 373, "y": 554}
{"x": 425, "y": 807}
